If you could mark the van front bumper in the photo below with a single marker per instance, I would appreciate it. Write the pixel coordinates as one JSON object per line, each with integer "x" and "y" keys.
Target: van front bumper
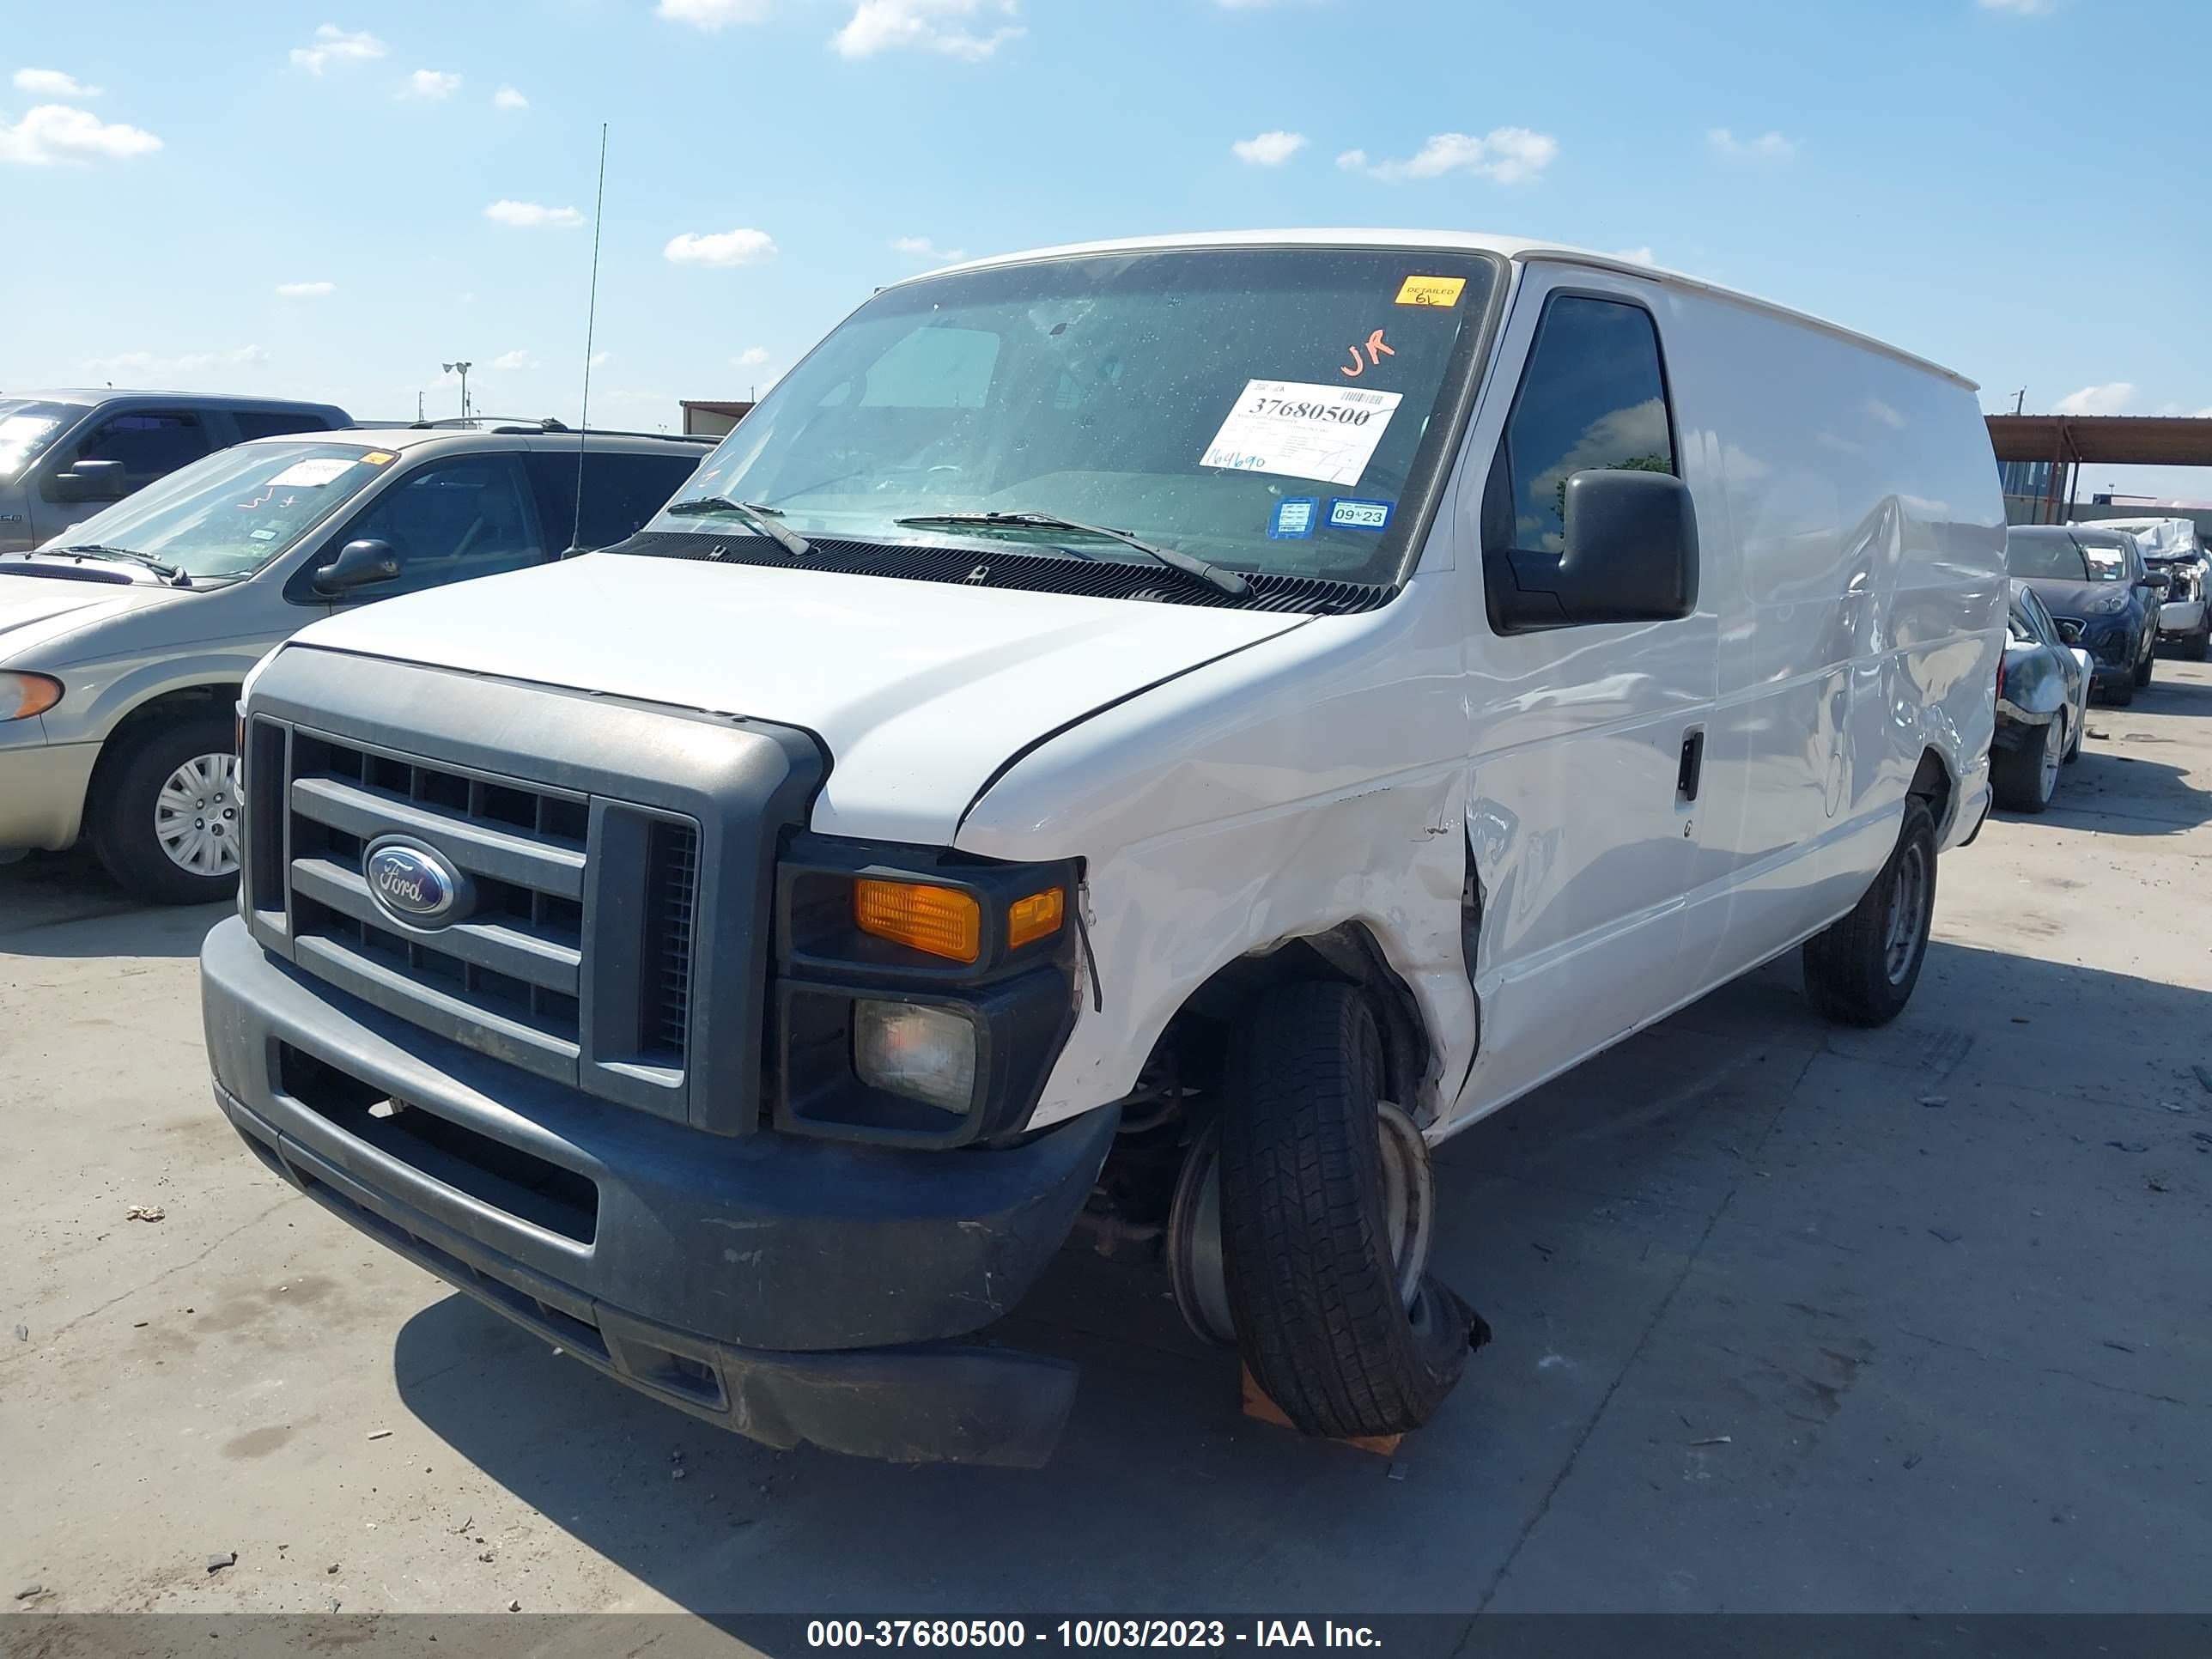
{"x": 42, "y": 786}
{"x": 787, "y": 1289}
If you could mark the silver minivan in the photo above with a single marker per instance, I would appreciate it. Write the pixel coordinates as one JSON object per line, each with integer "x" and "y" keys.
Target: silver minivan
{"x": 64, "y": 455}
{"x": 124, "y": 641}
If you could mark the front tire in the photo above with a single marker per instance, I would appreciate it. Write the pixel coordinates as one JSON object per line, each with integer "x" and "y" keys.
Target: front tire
{"x": 164, "y": 814}
{"x": 1347, "y": 1340}
{"x": 1861, "y": 971}
{"x": 2150, "y": 656}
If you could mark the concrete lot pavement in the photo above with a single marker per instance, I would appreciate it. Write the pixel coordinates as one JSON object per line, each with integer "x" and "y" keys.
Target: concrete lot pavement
{"x": 1786, "y": 1318}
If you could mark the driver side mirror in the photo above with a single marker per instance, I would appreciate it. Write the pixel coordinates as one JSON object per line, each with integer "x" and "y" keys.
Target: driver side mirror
{"x": 91, "y": 481}
{"x": 1631, "y": 555}
{"x": 358, "y": 565}
{"x": 2158, "y": 581}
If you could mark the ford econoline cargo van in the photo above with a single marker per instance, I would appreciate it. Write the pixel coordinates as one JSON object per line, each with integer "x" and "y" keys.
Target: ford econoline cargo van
{"x": 1150, "y": 738}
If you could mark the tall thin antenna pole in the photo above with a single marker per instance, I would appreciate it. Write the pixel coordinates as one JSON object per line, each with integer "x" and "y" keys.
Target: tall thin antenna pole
{"x": 590, "y": 322}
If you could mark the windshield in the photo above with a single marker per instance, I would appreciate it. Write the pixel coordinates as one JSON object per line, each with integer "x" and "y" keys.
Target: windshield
{"x": 27, "y": 426}
{"x": 1276, "y": 410}
{"x": 2061, "y": 558}
{"x": 229, "y": 513}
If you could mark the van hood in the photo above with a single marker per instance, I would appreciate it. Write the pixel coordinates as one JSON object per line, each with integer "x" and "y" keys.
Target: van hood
{"x": 921, "y": 691}
{"x": 36, "y": 610}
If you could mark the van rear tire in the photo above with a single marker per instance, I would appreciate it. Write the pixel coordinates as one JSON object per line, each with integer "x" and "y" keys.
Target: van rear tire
{"x": 1862, "y": 969}
{"x": 1323, "y": 1319}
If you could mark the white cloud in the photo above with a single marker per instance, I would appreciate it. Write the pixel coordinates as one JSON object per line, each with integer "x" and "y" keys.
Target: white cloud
{"x": 516, "y": 361}
{"x": 601, "y": 359}
{"x": 334, "y": 46}
{"x": 304, "y": 291}
{"x": 52, "y": 84}
{"x": 2108, "y": 399}
{"x": 1769, "y": 147}
{"x": 925, "y": 26}
{"x": 2020, "y": 8}
{"x": 1269, "y": 149}
{"x": 1504, "y": 156}
{"x": 191, "y": 362}
{"x": 713, "y": 15}
{"x": 1635, "y": 255}
{"x": 508, "y": 98}
{"x": 526, "y": 216}
{"x": 921, "y": 248}
{"x": 720, "y": 247}
{"x": 750, "y": 357}
{"x": 431, "y": 84}
{"x": 54, "y": 132}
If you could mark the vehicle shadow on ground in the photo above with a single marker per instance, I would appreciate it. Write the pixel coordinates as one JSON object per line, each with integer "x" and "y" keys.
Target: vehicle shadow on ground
{"x": 64, "y": 904}
{"x": 1570, "y": 1219}
{"x": 2118, "y": 787}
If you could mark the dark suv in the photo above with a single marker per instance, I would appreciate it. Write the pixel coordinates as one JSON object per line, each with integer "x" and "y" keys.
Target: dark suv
{"x": 64, "y": 455}
{"x": 2095, "y": 582}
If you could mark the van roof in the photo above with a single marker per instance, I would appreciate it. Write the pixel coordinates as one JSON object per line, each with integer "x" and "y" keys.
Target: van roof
{"x": 1514, "y": 248}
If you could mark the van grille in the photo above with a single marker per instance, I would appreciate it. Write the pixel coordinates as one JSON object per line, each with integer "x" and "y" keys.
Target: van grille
{"x": 671, "y": 885}
{"x": 510, "y": 978}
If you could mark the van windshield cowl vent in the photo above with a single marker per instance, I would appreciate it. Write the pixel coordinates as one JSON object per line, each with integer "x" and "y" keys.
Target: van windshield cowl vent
{"x": 1104, "y": 577}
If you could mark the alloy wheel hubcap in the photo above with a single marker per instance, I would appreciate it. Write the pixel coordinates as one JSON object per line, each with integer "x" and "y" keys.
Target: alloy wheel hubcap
{"x": 1908, "y": 902}
{"x": 196, "y": 816}
{"x": 1197, "y": 1270}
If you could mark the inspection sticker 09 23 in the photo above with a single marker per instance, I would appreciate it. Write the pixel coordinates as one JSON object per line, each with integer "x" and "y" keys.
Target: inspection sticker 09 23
{"x": 1345, "y": 514}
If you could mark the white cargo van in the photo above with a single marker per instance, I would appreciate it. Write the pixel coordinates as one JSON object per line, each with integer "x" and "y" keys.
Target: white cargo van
{"x": 1151, "y": 736}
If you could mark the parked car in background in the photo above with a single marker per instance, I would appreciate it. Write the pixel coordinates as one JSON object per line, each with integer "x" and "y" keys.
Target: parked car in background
{"x": 2043, "y": 706}
{"x": 2173, "y": 547}
{"x": 65, "y": 455}
{"x": 2104, "y": 597}
{"x": 123, "y": 645}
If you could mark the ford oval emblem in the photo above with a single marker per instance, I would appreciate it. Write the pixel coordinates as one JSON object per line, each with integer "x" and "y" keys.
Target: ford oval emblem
{"x": 415, "y": 885}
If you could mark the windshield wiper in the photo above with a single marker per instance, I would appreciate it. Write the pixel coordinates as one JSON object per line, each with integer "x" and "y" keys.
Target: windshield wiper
{"x": 169, "y": 573}
{"x": 1228, "y": 581}
{"x": 753, "y": 514}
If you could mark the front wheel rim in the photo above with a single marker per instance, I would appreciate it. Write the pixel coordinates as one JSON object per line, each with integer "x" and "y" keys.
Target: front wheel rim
{"x": 196, "y": 816}
{"x": 1908, "y": 901}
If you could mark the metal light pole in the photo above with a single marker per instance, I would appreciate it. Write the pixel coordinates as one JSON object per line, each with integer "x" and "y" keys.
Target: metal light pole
{"x": 462, "y": 369}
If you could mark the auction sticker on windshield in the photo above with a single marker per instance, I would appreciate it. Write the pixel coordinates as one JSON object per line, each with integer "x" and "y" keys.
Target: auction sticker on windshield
{"x": 1301, "y": 430}
{"x": 314, "y": 473}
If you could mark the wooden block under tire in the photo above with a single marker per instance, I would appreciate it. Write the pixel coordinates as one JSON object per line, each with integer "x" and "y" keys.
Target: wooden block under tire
{"x": 1261, "y": 1409}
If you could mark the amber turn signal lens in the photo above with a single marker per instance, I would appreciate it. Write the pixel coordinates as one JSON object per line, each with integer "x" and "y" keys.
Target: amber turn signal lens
{"x": 942, "y": 921}
{"x": 22, "y": 696}
{"x": 1038, "y": 916}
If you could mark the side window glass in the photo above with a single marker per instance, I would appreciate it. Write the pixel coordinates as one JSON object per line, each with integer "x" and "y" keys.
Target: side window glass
{"x": 150, "y": 444}
{"x": 448, "y": 521}
{"x": 621, "y": 492}
{"x": 1594, "y": 396}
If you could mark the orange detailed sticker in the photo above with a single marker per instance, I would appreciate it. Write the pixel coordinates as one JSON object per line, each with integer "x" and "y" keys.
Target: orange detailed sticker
{"x": 1431, "y": 290}
{"x": 1377, "y": 351}
{"x": 376, "y": 458}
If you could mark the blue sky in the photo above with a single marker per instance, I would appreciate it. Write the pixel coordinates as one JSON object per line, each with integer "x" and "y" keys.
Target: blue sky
{"x": 335, "y": 199}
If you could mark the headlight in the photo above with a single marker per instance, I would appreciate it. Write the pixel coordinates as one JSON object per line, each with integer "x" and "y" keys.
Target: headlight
{"x": 22, "y": 696}
{"x": 925, "y": 1054}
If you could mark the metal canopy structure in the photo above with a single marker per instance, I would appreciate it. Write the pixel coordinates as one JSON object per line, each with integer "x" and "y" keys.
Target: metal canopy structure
{"x": 2071, "y": 441}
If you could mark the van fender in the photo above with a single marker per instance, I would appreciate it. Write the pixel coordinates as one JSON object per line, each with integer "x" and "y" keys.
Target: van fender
{"x": 1383, "y": 866}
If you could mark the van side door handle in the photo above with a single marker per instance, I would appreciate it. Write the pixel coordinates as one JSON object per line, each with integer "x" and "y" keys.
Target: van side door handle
{"x": 1693, "y": 763}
